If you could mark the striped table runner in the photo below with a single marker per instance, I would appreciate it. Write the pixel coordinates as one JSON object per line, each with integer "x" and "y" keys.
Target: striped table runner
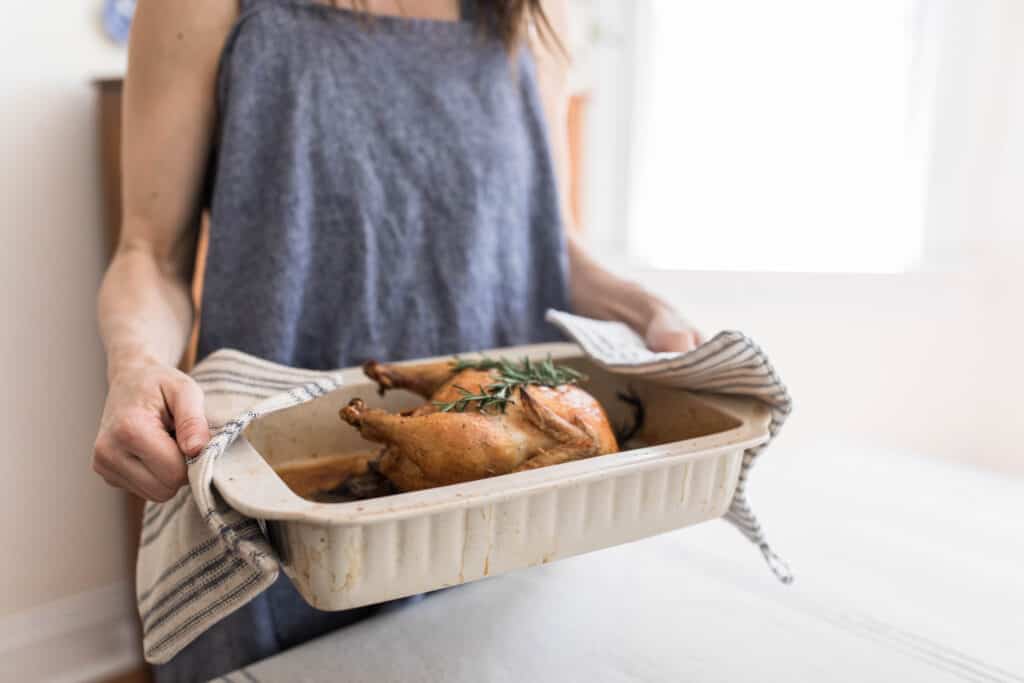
{"x": 200, "y": 560}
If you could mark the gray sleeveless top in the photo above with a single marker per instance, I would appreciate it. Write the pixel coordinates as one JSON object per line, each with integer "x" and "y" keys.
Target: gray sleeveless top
{"x": 381, "y": 188}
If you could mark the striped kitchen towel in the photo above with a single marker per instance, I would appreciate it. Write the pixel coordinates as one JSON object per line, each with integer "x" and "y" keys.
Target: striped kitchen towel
{"x": 200, "y": 560}
{"x": 729, "y": 363}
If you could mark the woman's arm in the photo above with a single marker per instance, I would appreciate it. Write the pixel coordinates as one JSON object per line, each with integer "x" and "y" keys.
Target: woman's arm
{"x": 594, "y": 290}
{"x": 153, "y": 415}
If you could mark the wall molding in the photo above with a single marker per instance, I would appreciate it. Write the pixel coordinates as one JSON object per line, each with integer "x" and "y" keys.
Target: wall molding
{"x": 77, "y": 639}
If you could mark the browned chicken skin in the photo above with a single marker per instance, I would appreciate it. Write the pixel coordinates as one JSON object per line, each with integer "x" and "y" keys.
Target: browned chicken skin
{"x": 427, "y": 447}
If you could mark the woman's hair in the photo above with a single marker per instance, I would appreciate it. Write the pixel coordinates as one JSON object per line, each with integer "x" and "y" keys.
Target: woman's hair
{"x": 509, "y": 20}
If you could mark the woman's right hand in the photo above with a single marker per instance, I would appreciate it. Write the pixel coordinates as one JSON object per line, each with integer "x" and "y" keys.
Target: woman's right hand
{"x": 153, "y": 419}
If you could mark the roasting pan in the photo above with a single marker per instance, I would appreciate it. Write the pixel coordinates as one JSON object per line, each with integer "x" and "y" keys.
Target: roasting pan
{"x": 345, "y": 555}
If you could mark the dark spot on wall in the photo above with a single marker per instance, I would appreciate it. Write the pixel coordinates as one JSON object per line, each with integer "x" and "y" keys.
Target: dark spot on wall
{"x": 181, "y": 36}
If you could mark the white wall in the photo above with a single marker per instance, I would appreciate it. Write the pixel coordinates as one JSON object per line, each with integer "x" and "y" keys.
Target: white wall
{"x": 60, "y": 526}
{"x": 976, "y": 148}
{"x": 975, "y": 208}
{"x": 914, "y": 360}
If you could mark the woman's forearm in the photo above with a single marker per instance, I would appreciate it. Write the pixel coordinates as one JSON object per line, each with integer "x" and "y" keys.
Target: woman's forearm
{"x": 145, "y": 310}
{"x": 596, "y": 292}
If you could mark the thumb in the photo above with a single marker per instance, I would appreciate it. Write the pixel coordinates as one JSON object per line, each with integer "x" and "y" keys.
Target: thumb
{"x": 185, "y": 401}
{"x": 668, "y": 331}
{"x": 673, "y": 340}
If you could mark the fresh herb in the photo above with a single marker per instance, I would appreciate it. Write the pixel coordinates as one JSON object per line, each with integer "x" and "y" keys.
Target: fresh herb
{"x": 498, "y": 394}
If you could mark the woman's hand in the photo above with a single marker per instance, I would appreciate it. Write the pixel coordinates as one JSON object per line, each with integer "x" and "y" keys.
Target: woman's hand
{"x": 153, "y": 419}
{"x": 669, "y": 331}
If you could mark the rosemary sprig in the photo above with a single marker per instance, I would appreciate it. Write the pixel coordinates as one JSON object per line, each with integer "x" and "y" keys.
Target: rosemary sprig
{"x": 498, "y": 394}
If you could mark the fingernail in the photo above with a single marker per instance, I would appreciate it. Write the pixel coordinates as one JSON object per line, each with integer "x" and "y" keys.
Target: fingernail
{"x": 193, "y": 444}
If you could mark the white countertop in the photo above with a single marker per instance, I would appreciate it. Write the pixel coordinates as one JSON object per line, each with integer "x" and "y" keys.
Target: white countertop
{"x": 907, "y": 569}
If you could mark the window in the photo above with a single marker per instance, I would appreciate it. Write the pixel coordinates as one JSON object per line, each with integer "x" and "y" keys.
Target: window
{"x": 771, "y": 136}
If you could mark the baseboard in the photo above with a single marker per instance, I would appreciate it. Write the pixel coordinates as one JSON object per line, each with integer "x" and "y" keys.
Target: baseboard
{"x": 78, "y": 639}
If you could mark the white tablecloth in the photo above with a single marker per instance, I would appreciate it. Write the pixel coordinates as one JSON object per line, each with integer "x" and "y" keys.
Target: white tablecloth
{"x": 918, "y": 576}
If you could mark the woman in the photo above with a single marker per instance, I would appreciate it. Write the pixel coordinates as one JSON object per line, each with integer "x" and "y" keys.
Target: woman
{"x": 382, "y": 183}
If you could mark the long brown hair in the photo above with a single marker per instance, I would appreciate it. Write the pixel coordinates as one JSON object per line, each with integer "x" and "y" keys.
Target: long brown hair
{"x": 508, "y": 20}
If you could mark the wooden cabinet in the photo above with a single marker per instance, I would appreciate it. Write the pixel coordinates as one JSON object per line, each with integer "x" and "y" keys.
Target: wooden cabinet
{"x": 109, "y": 102}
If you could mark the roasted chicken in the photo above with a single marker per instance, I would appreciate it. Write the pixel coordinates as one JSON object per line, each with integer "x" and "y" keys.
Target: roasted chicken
{"x": 479, "y": 421}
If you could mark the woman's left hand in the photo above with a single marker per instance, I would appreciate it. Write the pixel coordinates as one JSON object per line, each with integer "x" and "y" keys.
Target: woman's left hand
{"x": 669, "y": 331}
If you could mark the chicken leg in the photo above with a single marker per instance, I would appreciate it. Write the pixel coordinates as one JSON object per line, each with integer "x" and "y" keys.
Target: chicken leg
{"x": 421, "y": 378}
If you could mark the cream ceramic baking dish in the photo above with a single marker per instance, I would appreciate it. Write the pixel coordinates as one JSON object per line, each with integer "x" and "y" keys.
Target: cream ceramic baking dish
{"x": 345, "y": 555}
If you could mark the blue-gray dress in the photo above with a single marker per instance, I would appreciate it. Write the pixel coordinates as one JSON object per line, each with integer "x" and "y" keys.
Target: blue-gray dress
{"x": 381, "y": 187}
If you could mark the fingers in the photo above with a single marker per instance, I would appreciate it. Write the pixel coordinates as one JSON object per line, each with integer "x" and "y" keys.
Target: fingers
{"x": 677, "y": 340}
{"x": 113, "y": 478}
{"x": 185, "y": 402}
{"x": 137, "y": 453}
{"x": 126, "y": 472}
{"x": 135, "y": 448}
{"x": 159, "y": 453}
{"x": 144, "y": 481}
{"x": 668, "y": 331}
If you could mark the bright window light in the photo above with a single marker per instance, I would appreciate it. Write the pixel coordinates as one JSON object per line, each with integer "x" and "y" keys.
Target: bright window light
{"x": 770, "y": 136}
